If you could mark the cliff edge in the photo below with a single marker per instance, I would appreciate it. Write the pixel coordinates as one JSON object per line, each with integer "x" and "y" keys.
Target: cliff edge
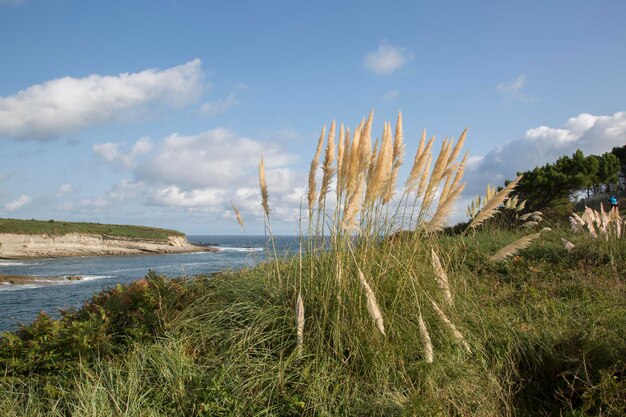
{"x": 20, "y": 246}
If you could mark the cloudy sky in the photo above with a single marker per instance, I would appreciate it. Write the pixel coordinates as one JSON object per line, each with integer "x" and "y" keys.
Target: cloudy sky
{"x": 157, "y": 112}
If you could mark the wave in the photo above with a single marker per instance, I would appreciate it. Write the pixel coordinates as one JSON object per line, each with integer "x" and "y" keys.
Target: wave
{"x": 234, "y": 249}
{"x": 91, "y": 277}
{"x": 10, "y": 287}
{"x": 16, "y": 263}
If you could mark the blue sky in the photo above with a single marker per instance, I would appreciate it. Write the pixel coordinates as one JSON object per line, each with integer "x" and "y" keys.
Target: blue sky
{"x": 157, "y": 112}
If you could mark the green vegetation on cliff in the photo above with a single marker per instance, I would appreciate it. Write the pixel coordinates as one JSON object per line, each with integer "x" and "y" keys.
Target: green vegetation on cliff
{"x": 59, "y": 228}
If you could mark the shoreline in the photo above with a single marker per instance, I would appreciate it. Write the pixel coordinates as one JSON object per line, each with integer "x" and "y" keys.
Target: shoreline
{"x": 20, "y": 247}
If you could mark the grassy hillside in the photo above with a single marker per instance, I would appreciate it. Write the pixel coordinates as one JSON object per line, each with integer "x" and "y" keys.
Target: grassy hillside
{"x": 59, "y": 228}
{"x": 541, "y": 334}
{"x": 504, "y": 318}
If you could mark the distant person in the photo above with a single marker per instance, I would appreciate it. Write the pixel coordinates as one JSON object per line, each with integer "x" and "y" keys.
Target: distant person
{"x": 613, "y": 202}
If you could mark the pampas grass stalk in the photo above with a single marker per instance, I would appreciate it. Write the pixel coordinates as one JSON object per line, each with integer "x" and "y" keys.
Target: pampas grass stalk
{"x": 238, "y": 216}
{"x": 569, "y": 246}
{"x": 313, "y": 170}
{"x": 514, "y": 247}
{"x": 416, "y": 168}
{"x": 372, "y": 304}
{"x": 442, "y": 278}
{"x": 327, "y": 166}
{"x": 493, "y": 203}
{"x": 263, "y": 185}
{"x": 340, "y": 152}
{"x": 457, "y": 334}
{"x": 300, "y": 323}
{"x": 353, "y": 205}
{"x": 456, "y": 151}
{"x": 428, "y": 345}
{"x": 397, "y": 159}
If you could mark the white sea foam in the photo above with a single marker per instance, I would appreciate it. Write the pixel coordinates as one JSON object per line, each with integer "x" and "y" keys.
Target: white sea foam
{"x": 227, "y": 249}
{"x": 2, "y": 263}
{"x": 11, "y": 287}
{"x": 91, "y": 277}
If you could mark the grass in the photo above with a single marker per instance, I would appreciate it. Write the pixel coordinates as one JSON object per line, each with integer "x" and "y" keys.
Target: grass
{"x": 59, "y": 228}
{"x": 358, "y": 324}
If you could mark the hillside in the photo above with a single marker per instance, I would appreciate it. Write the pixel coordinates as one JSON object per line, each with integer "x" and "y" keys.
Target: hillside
{"x": 60, "y": 228}
{"x": 49, "y": 239}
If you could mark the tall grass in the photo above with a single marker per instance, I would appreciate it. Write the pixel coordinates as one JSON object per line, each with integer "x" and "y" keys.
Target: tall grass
{"x": 379, "y": 314}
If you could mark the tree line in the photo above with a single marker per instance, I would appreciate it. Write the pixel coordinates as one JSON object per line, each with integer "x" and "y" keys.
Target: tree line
{"x": 555, "y": 186}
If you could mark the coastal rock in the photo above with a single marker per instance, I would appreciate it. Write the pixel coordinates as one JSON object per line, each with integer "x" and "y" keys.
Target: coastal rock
{"x": 16, "y": 246}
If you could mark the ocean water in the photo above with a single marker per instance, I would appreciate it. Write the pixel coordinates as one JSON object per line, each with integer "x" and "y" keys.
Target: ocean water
{"x": 22, "y": 303}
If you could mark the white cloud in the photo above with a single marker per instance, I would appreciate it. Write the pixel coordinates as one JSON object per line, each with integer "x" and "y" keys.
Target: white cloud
{"x": 18, "y": 203}
{"x": 174, "y": 196}
{"x": 65, "y": 189}
{"x": 512, "y": 89}
{"x": 110, "y": 151}
{"x": 64, "y": 105}
{"x": 512, "y": 86}
{"x": 202, "y": 173}
{"x": 217, "y": 107}
{"x": 386, "y": 59}
{"x": 213, "y": 158}
{"x": 594, "y": 135}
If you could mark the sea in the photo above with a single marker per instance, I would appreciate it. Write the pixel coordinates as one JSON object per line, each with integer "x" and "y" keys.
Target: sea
{"x": 20, "y": 304}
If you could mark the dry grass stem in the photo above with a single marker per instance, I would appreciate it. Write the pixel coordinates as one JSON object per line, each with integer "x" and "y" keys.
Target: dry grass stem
{"x": 372, "y": 304}
{"x": 428, "y": 345}
{"x": 263, "y": 185}
{"x": 493, "y": 203}
{"x": 457, "y": 334}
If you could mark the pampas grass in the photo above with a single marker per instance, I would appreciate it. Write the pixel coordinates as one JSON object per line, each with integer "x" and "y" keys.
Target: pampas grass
{"x": 516, "y": 246}
{"x": 455, "y": 332}
{"x": 313, "y": 170}
{"x": 372, "y": 304}
{"x": 238, "y": 216}
{"x": 569, "y": 246}
{"x": 426, "y": 342}
{"x": 327, "y": 165}
{"x": 442, "y": 278}
{"x": 263, "y": 186}
{"x": 299, "y": 323}
{"x": 493, "y": 203}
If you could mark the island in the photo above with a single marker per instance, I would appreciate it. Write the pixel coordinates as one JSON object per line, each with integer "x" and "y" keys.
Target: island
{"x": 24, "y": 239}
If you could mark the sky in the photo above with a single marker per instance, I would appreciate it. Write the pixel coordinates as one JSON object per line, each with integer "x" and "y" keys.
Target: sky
{"x": 158, "y": 112}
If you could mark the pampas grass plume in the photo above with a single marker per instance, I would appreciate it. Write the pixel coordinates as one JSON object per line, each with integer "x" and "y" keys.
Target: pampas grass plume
{"x": 493, "y": 203}
{"x": 372, "y": 304}
{"x": 519, "y": 244}
{"x": 428, "y": 345}
{"x": 457, "y": 334}
{"x": 442, "y": 278}
{"x": 312, "y": 171}
{"x": 263, "y": 185}
{"x": 238, "y": 216}
{"x": 300, "y": 323}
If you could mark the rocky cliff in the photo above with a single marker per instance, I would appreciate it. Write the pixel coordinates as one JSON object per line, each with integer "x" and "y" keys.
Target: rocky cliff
{"x": 14, "y": 246}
